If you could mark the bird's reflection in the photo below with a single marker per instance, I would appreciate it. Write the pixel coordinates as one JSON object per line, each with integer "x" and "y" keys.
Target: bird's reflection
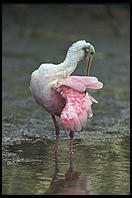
{"x": 74, "y": 182}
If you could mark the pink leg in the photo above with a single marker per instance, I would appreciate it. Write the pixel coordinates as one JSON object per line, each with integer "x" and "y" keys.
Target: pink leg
{"x": 71, "y": 161}
{"x": 57, "y": 133}
{"x": 71, "y": 141}
{"x": 56, "y": 169}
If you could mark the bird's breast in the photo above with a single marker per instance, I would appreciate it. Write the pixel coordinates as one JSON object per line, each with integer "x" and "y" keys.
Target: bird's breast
{"x": 41, "y": 89}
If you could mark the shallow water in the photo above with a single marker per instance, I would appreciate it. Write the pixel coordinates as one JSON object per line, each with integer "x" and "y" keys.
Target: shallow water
{"x": 100, "y": 163}
{"x": 99, "y": 168}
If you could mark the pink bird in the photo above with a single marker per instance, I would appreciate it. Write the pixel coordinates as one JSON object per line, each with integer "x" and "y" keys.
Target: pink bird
{"x": 63, "y": 95}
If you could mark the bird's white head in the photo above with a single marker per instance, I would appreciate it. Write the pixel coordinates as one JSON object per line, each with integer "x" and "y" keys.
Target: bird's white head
{"x": 81, "y": 50}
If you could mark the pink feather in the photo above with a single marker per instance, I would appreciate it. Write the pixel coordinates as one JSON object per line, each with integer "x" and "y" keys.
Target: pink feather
{"x": 78, "y": 102}
{"x": 80, "y": 83}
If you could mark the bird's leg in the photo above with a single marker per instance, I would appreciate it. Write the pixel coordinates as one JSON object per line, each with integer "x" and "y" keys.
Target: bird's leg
{"x": 71, "y": 161}
{"x": 71, "y": 141}
{"x": 57, "y": 133}
{"x": 56, "y": 169}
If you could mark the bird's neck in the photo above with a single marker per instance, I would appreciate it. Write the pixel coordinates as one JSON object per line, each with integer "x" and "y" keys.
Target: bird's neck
{"x": 69, "y": 64}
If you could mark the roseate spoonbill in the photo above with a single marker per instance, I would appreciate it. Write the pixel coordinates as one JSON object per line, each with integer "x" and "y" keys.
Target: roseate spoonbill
{"x": 63, "y": 95}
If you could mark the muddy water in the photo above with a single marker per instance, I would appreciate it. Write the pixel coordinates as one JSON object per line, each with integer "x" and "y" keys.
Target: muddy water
{"x": 100, "y": 163}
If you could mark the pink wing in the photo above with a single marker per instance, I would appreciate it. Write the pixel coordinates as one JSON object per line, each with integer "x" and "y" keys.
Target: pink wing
{"x": 80, "y": 83}
{"x": 78, "y": 103}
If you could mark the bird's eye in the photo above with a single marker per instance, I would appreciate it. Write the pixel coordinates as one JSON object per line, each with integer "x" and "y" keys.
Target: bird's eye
{"x": 92, "y": 53}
